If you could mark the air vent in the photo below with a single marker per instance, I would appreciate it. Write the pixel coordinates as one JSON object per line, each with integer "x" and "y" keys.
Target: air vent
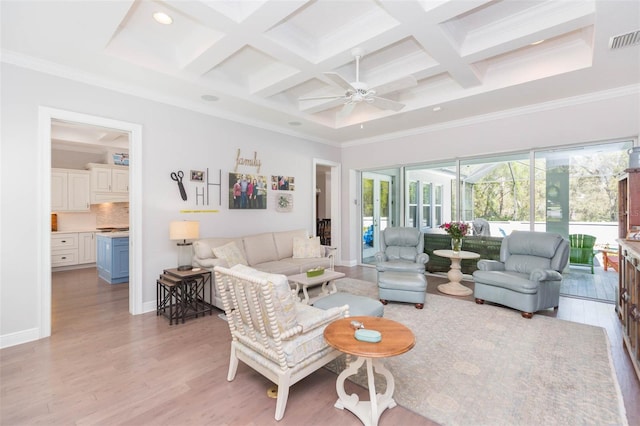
{"x": 625, "y": 40}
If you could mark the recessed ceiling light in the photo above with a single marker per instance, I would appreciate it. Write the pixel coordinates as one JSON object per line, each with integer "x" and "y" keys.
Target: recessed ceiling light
{"x": 294, "y": 123}
{"x": 162, "y": 18}
{"x": 209, "y": 98}
{"x": 537, "y": 42}
{"x": 362, "y": 126}
{"x": 438, "y": 108}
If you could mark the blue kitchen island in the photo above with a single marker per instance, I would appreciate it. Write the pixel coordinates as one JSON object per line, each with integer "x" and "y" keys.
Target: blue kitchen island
{"x": 112, "y": 256}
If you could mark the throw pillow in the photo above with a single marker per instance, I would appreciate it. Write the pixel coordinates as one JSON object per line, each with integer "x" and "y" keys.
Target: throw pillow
{"x": 231, "y": 253}
{"x": 305, "y": 248}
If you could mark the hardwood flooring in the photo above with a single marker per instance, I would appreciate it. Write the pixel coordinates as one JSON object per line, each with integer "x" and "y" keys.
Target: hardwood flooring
{"x": 104, "y": 366}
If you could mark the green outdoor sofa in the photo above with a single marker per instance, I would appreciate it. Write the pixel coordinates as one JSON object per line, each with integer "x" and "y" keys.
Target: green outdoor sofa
{"x": 486, "y": 247}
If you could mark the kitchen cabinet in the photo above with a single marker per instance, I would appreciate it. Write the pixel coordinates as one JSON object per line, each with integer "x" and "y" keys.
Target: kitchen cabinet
{"x": 109, "y": 183}
{"x": 70, "y": 190}
{"x": 64, "y": 249}
{"x": 72, "y": 248}
{"x": 112, "y": 257}
{"x": 86, "y": 247}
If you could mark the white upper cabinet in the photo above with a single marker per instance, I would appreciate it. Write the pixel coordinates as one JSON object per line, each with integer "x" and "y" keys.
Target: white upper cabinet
{"x": 109, "y": 183}
{"x": 70, "y": 190}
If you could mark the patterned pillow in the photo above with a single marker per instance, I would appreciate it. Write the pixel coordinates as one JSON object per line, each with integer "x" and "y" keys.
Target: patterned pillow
{"x": 305, "y": 248}
{"x": 230, "y": 253}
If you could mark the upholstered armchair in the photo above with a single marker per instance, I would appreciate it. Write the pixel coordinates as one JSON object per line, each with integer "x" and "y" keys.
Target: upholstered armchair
{"x": 528, "y": 275}
{"x": 271, "y": 332}
{"x": 402, "y": 250}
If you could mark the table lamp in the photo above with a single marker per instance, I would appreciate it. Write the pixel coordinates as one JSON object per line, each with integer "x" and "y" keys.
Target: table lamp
{"x": 184, "y": 230}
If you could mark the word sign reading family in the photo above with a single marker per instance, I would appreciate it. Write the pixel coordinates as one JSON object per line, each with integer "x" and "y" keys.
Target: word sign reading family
{"x": 251, "y": 162}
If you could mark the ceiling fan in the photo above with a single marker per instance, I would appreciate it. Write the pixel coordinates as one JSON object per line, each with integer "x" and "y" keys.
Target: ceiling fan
{"x": 359, "y": 91}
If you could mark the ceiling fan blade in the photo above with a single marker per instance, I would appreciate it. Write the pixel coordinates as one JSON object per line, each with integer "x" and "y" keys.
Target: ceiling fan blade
{"x": 399, "y": 84}
{"x": 346, "y": 109}
{"x": 384, "y": 103}
{"x": 337, "y": 78}
{"x": 316, "y": 98}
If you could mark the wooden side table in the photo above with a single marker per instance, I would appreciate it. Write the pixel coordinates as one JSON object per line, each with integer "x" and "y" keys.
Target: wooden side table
{"x": 454, "y": 287}
{"x": 182, "y": 294}
{"x": 396, "y": 339}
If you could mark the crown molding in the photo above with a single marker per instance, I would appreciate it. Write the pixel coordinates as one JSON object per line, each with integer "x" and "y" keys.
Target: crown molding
{"x": 514, "y": 112}
{"x": 51, "y": 68}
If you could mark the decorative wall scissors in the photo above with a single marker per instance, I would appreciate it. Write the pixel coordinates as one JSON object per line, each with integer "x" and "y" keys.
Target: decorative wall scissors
{"x": 178, "y": 178}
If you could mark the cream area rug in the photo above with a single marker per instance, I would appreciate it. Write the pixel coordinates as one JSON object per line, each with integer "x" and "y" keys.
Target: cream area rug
{"x": 486, "y": 365}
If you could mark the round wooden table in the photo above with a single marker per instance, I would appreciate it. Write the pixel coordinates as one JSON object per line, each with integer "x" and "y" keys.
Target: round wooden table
{"x": 396, "y": 339}
{"x": 453, "y": 287}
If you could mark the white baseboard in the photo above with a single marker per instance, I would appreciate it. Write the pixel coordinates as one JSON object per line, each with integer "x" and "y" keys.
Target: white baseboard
{"x": 149, "y": 307}
{"x": 19, "y": 337}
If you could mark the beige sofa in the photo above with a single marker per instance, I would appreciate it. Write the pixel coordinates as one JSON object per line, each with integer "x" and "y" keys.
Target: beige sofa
{"x": 269, "y": 252}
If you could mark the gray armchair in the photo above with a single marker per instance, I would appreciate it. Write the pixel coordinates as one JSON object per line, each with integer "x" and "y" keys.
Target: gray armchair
{"x": 402, "y": 250}
{"x": 401, "y": 265}
{"x": 528, "y": 275}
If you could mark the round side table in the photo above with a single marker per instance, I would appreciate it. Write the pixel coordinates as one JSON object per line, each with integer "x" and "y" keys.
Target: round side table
{"x": 396, "y": 339}
{"x": 454, "y": 287}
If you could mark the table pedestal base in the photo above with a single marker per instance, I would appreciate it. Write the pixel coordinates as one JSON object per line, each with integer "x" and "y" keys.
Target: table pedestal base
{"x": 368, "y": 412}
{"x": 454, "y": 287}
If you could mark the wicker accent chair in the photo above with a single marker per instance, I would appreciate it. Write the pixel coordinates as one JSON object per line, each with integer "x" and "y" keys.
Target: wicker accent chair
{"x": 582, "y": 253}
{"x": 271, "y": 332}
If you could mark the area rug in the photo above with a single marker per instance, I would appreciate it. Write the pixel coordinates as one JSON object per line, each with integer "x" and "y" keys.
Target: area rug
{"x": 486, "y": 365}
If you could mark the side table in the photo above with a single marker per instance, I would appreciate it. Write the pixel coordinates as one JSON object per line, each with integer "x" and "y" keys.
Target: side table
{"x": 453, "y": 287}
{"x": 396, "y": 339}
{"x": 182, "y": 294}
{"x": 326, "y": 279}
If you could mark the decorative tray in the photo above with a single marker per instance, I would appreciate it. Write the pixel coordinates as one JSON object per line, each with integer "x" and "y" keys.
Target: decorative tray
{"x": 315, "y": 272}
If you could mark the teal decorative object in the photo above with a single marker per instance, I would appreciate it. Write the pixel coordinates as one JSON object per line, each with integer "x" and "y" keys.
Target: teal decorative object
{"x": 371, "y": 336}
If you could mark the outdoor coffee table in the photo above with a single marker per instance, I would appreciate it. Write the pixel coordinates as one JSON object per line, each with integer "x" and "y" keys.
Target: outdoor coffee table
{"x": 396, "y": 339}
{"x": 453, "y": 287}
{"x": 326, "y": 279}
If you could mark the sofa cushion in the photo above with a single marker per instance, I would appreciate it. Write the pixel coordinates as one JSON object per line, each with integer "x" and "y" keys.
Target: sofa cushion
{"x": 231, "y": 253}
{"x": 260, "y": 248}
{"x": 202, "y": 248}
{"x": 306, "y": 248}
{"x": 278, "y": 267}
{"x": 284, "y": 241}
{"x": 303, "y": 265}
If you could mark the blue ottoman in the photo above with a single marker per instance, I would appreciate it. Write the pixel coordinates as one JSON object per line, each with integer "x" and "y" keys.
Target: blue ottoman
{"x": 358, "y": 305}
{"x": 410, "y": 287}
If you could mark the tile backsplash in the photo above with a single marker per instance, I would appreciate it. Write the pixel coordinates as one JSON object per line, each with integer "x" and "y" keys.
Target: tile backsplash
{"x": 100, "y": 216}
{"x": 111, "y": 214}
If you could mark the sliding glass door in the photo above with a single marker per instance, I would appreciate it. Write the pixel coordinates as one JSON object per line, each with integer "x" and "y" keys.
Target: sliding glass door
{"x": 377, "y": 211}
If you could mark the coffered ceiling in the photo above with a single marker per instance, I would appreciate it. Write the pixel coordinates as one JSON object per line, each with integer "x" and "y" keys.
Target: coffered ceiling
{"x": 433, "y": 62}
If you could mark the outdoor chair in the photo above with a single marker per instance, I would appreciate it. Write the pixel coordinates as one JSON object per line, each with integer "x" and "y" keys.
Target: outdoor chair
{"x": 582, "y": 253}
{"x": 271, "y": 332}
{"x": 528, "y": 275}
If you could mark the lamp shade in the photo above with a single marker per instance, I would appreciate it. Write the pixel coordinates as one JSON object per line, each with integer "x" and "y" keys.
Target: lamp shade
{"x": 184, "y": 230}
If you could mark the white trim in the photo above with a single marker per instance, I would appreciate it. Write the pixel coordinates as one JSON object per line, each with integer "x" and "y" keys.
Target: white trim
{"x": 633, "y": 89}
{"x": 47, "y": 67}
{"x": 336, "y": 223}
{"x": 45, "y": 116}
{"x": 19, "y": 337}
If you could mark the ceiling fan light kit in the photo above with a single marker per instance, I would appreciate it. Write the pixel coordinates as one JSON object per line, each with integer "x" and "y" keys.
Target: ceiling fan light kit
{"x": 358, "y": 91}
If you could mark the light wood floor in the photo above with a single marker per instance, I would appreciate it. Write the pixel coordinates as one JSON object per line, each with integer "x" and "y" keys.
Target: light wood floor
{"x": 104, "y": 366}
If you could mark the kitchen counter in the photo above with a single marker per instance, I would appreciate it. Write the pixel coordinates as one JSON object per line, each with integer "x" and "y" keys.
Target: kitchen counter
{"x": 116, "y": 234}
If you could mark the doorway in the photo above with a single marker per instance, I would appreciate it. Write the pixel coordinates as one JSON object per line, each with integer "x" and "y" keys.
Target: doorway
{"x": 47, "y": 116}
{"x": 326, "y": 203}
{"x": 377, "y": 212}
